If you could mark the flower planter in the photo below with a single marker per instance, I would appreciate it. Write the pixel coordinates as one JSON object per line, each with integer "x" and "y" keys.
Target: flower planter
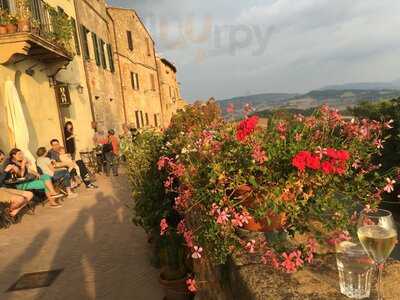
{"x": 3, "y": 29}
{"x": 24, "y": 26}
{"x": 11, "y": 28}
{"x": 175, "y": 289}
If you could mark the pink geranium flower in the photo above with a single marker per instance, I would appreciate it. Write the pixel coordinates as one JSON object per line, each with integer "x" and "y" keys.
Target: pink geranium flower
{"x": 250, "y": 246}
{"x": 259, "y": 154}
{"x": 288, "y": 264}
{"x": 389, "y": 185}
{"x": 163, "y": 226}
{"x": 197, "y": 252}
{"x": 191, "y": 285}
{"x": 223, "y": 216}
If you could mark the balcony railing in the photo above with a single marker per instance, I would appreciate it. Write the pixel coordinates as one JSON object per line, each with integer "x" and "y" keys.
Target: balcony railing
{"x": 43, "y": 32}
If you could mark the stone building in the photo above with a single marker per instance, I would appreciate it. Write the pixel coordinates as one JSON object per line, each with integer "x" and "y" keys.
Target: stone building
{"x": 101, "y": 67}
{"x": 169, "y": 87}
{"x": 135, "y": 53}
{"x": 45, "y": 78}
{"x": 106, "y": 73}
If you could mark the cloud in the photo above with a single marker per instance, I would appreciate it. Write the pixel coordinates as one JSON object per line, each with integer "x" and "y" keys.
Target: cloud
{"x": 273, "y": 45}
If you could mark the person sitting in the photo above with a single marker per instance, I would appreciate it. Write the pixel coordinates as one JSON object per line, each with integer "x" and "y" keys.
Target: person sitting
{"x": 17, "y": 166}
{"x": 17, "y": 199}
{"x": 48, "y": 168}
{"x": 54, "y": 155}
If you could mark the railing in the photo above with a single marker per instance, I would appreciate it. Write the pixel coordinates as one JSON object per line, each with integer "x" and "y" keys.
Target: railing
{"x": 42, "y": 19}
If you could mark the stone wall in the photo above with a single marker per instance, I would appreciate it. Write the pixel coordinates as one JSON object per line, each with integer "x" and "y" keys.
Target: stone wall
{"x": 139, "y": 60}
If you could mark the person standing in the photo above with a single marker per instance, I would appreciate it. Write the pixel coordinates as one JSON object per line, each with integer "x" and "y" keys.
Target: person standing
{"x": 111, "y": 153}
{"x": 70, "y": 139}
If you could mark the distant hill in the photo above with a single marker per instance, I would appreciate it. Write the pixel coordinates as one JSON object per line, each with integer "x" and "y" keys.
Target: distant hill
{"x": 393, "y": 85}
{"x": 258, "y": 102}
{"x": 341, "y": 99}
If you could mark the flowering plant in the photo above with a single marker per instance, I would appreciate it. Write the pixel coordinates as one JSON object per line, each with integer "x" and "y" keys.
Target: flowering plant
{"x": 287, "y": 176}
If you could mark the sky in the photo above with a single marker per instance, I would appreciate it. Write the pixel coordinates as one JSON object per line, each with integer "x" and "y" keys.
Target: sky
{"x": 228, "y": 48}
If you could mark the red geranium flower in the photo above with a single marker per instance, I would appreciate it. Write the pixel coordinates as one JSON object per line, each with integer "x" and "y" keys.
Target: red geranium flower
{"x": 246, "y": 127}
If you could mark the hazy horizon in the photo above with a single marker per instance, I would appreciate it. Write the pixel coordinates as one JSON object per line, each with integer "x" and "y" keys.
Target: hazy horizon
{"x": 262, "y": 46}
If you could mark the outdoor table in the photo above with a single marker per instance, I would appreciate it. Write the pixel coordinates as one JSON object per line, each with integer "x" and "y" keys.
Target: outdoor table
{"x": 254, "y": 281}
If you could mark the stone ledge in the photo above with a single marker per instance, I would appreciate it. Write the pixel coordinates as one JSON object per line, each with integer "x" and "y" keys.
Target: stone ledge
{"x": 249, "y": 281}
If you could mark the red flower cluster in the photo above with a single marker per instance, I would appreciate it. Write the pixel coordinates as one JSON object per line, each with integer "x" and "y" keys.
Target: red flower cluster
{"x": 335, "y": 163}
{"x": 246, "y": 127}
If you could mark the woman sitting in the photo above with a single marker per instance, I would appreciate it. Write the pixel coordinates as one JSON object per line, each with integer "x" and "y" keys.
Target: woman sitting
{"x": 17, "y": 199}
{"x": 17, "y": 166}
{"x": 48, "y": 168}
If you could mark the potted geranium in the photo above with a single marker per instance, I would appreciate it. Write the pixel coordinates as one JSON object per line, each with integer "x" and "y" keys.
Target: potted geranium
{"x": 299, "y": 177}
{"x": 23, "y": 15}
{"x": 11, "y": 25}
{"x": 3, "y": 21}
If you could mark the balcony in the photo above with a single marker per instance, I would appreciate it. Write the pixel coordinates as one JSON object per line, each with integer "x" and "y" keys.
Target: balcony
{"x": 41, "y": 33}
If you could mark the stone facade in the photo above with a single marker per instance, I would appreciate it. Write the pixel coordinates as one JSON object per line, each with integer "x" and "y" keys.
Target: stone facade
{"x": 169, "y": 87}
{"x": 96, "y": 35}
{"x": 113, "y": 77}
{"x": 138, "y": 69}
{"x": 34, "y": 81}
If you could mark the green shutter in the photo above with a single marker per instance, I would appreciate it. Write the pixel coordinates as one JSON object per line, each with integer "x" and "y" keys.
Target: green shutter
{"x": 110, "y": 58}
{"x": 84, "y": 42}
{"x": 96, "y": 48}
{"x": 76, "y": 40}
{"x": 102, "y": 54}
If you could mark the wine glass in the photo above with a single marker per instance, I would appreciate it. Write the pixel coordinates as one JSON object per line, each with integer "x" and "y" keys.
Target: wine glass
{"x": 376, "y": 230}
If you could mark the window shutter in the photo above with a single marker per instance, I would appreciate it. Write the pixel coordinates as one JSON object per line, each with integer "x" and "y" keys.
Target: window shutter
{"x": 148, "y": 46}
{"x": 75, "y": 34}
{"x": 130, "y": 40}
{"x": 133, "y": 80}
{"x": 155, "y": 120}
{"x": 102, "y": 54}
{"x": 147, "y": 119}
{"x": 110, "y": 58}
{"x": 141, "y": 118}
{"x": 137, "y": 119}
{"x": 84, "y": 42}
{"x": 137, "y": 81}
{"x": 96, "y": 48}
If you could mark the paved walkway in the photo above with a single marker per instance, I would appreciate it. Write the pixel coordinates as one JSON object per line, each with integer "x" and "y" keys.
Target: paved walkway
{"x": 103, "y": 255}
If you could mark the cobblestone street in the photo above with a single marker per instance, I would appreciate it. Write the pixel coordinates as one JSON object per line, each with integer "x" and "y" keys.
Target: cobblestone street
{"x": 103, "y": 256}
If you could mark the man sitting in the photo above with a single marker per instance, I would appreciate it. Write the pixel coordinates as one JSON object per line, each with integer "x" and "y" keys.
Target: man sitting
{"x": 47, "y": 166}
{"x": 17, "y": 199}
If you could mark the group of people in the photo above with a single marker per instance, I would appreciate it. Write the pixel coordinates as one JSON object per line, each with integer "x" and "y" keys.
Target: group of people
{"x": 56, "y": 172}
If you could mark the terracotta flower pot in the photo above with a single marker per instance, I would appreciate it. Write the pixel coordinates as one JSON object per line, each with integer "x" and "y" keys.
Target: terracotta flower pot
{"x": 24, "y": 26}
{"x": 11, "y": 28}
{"x": 3, "y": 29}
{"x": 272, "y": 222}
{"x": 175, "y": 289}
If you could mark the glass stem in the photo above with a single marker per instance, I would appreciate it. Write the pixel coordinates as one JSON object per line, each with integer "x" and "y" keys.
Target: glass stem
{"x": 379, "y": 286}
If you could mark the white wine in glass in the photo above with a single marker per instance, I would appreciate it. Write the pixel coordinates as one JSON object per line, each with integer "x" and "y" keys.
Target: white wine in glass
{"x": 377, "y": 233}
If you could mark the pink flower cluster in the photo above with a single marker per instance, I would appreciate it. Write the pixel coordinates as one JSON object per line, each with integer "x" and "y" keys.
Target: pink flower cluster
{"x": 163, "y": 226}
{"x": 337, "y": 237}
{"x": 259, "y": 154}
{"x": 226, "y": 215}
{"x": 246, "y": 127}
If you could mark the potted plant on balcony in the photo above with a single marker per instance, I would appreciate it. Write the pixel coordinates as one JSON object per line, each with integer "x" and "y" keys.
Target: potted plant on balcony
{"x": 12, "y": 24}
{"x": 23, "y": 15}
{"x": 3, "y": 21}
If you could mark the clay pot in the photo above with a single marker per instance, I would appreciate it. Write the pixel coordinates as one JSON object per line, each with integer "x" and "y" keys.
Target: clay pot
{"x": 3, "y": 29}
{"x": 24, "y": 26}
{"x": 11, "y": 28}
{"x": 276, "y": 222}
{"x": 175, "y": 289}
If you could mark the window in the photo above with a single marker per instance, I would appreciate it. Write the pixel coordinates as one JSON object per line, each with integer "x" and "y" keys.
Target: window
{"x": 135, "y": 81}
{"x": 141, "y": 118}
{"x": 84, "y": 41}
{"x": 170, "y": 93}
{"x": 155, "y": 120}
{"x": 148, "y": 46}
{"x": 75, "y": 34}
{"x": 4, "y": 4}
{"x": 102, "y": 54}
{"x": 110, "y": 58}
{"x": 152, "y": 82}
{"x": 130, "y": 40}
{"x": 96, "y": 48}
{"x": 137, "y": 119}
{"x": 147, "y": 119}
